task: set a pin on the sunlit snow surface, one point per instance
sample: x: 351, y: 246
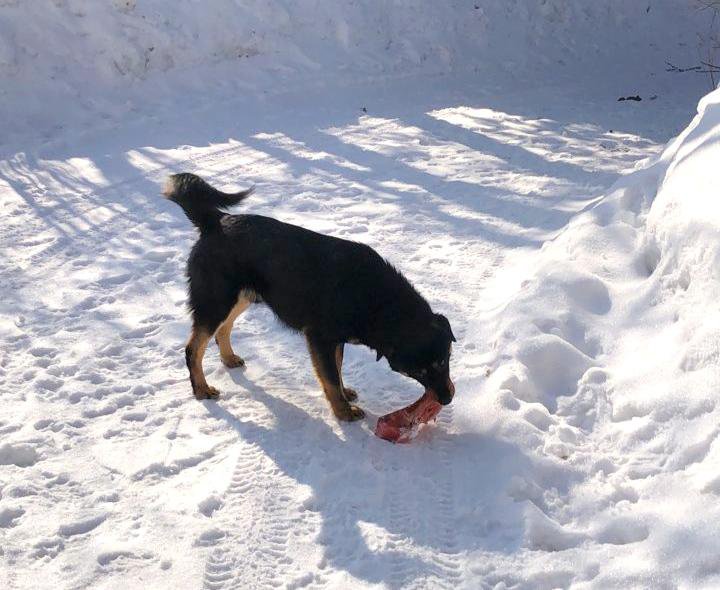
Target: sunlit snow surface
x: 580, y: 449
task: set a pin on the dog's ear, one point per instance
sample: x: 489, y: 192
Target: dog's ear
x: 444, y: 323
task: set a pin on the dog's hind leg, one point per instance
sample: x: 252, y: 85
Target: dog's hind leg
x: 212, y: 299
x: 350, y: 394
x: 324, y: 359
x: 222, y: 336
x: 194, y: 353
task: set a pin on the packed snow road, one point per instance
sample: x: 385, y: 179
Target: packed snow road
x: 115, y: 476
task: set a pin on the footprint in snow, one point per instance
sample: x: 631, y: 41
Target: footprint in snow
x: 10, y: 516
x: 139, y: 416
x: 160, y: 255
x: 209, y: 505
x: 49, y: 383
x: 44, y: 362
x: 50, y: 547
x: 106, y: 557
x: 43, y: 351
x: 141, y: 332
x: 21, y: 455
x: 210, y: 537
x: 80, y: 527
x: 115, y: 280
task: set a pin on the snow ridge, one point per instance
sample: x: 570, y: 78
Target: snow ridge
x: 599, y: 353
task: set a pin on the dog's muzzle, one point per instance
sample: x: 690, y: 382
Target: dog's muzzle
x: 444, y: 395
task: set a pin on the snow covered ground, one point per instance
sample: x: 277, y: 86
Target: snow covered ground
x: 581, y: 447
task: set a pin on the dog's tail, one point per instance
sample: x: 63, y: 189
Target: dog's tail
x: 202, y: 203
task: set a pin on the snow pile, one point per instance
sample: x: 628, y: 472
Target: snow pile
x: 71, y: 40
x: 606, y: 363
x: 82, y: 55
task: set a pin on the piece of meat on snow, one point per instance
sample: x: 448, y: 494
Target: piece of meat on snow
x: 400, y: 426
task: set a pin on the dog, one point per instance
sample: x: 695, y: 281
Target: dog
x: 332, y: 290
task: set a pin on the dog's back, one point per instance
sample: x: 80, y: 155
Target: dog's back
x: 333, y: 290
x: 312, y: 281
x: 340, y: 288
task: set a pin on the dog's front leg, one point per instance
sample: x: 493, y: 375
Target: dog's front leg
x: 350, y: 394
x: 323, y: 355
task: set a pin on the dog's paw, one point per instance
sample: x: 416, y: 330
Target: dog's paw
x: 356, y: 413
x: 350, y: 413
x: 233, y: 362
x: 350, y: 394
x: 206, y: 392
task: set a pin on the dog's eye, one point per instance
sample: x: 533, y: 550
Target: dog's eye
x: 422, y: 372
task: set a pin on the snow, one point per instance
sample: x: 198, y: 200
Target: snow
x: 107, y: 61
x: 627, y: 289
x: 481, y: 148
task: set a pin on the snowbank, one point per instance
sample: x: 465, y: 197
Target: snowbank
x: 80, y: 40
x: 606, y: 361
x: 83, y: 55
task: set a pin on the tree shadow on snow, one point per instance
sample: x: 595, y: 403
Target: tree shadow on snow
x: 359, y: 480
x: 394, y: 488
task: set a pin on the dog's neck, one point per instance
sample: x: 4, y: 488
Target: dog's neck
x: 397, y: 319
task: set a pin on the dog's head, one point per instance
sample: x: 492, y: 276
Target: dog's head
x: 426, y: 357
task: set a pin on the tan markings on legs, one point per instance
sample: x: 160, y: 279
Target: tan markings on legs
x: 324, y: 359
x: 349, y: 394
x: 194, y: 353
x: 222, y: 336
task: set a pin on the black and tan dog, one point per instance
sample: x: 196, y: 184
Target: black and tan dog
x: 332, y: 290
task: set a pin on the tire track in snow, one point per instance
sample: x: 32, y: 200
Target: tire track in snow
x: 401, y: 519
x: 254, y: 526
x: 218, y: 570
x: 423, y: 522
x: 446, y: 565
